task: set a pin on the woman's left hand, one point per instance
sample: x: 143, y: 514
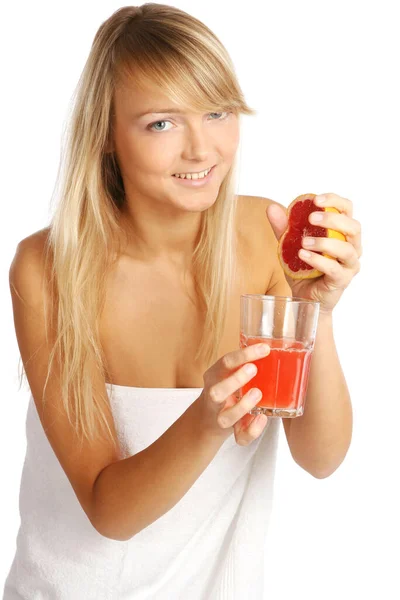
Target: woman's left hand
x: 339, y: 270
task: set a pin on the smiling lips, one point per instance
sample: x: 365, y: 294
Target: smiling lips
x: 199, y: 175
x: 192, y: 180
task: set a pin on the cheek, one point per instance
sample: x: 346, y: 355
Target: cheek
x: 230, y: 140
x: 135, y: 156
x: 125, y: 148
x: 229, y: 149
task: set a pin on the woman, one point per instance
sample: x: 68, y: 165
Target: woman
x: 126, y: 315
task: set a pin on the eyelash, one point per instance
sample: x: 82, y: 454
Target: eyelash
x: 168, y: 121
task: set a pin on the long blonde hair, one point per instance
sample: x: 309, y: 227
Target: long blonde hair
x: 159, y: 43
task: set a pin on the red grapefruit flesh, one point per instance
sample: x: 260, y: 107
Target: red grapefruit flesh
x: 298, y: 227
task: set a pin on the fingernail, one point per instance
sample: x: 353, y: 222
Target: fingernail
x: 319, y: 200
x: 304, y: 254
x: 316, y: 217
x: 262, y: 349
x: 255, y: 394
x: 250, y: 369
x: 308, y: 241
x: 261, y: 419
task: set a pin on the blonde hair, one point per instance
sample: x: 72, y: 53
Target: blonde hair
x: 153, y: 42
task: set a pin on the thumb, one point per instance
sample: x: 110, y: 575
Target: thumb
x: 278, y: 218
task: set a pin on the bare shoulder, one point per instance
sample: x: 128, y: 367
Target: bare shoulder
x: 35, y: 241
x: 252, y: 213
x: 26, y: 271
x: 32, y: 246
x: 255, y: 225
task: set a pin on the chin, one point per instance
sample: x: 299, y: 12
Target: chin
x: 197, y: 204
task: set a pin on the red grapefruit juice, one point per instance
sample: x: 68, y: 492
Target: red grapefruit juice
x: 282, y: 376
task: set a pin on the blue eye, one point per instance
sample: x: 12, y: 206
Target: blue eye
x: 152, y: 125
x: 220, y: 113
x: 156, y: 123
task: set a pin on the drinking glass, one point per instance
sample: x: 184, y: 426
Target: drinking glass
x: 288, y: 325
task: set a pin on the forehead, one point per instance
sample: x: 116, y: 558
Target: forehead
x: 134, y: 97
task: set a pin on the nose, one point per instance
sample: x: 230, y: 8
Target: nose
x: 197, y: 143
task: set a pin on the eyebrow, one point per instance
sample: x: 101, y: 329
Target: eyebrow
x: 158, y: 111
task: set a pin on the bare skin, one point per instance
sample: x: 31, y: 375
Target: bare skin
x: 152, y: 341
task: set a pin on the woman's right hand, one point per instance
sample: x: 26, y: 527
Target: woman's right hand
x: 220, y: 410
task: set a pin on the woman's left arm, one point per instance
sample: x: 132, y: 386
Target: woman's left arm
x: 320, y: 438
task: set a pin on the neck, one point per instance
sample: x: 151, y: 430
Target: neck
x: 160, y: 234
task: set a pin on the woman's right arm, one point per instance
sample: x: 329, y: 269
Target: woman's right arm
x: 122, y: 496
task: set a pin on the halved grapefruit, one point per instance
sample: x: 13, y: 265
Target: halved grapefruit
x: 298, y: 227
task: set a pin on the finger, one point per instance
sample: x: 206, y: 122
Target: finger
x: 220, y: 391
x: 235, y: 359
x: 243, y: 424
x: 334, y: 271
x: 343, y: 251
x: 337, y: 221
x: 344, y: 205
x: 351, y: 228
x: 229, y: 416
x: 247, y: 430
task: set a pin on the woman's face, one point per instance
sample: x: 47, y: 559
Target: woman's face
x: 152, y: 143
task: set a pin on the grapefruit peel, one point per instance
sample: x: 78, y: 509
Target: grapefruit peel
x: 298, y: 227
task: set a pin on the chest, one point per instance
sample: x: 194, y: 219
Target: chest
x: 152, y: 323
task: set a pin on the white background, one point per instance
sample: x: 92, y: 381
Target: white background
x: 323, y: 76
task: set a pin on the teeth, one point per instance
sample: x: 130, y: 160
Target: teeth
x: 193, y: 175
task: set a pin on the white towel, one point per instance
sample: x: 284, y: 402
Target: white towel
x: 209, y: 546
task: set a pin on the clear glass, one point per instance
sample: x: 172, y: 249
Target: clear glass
x: 289, y: 326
